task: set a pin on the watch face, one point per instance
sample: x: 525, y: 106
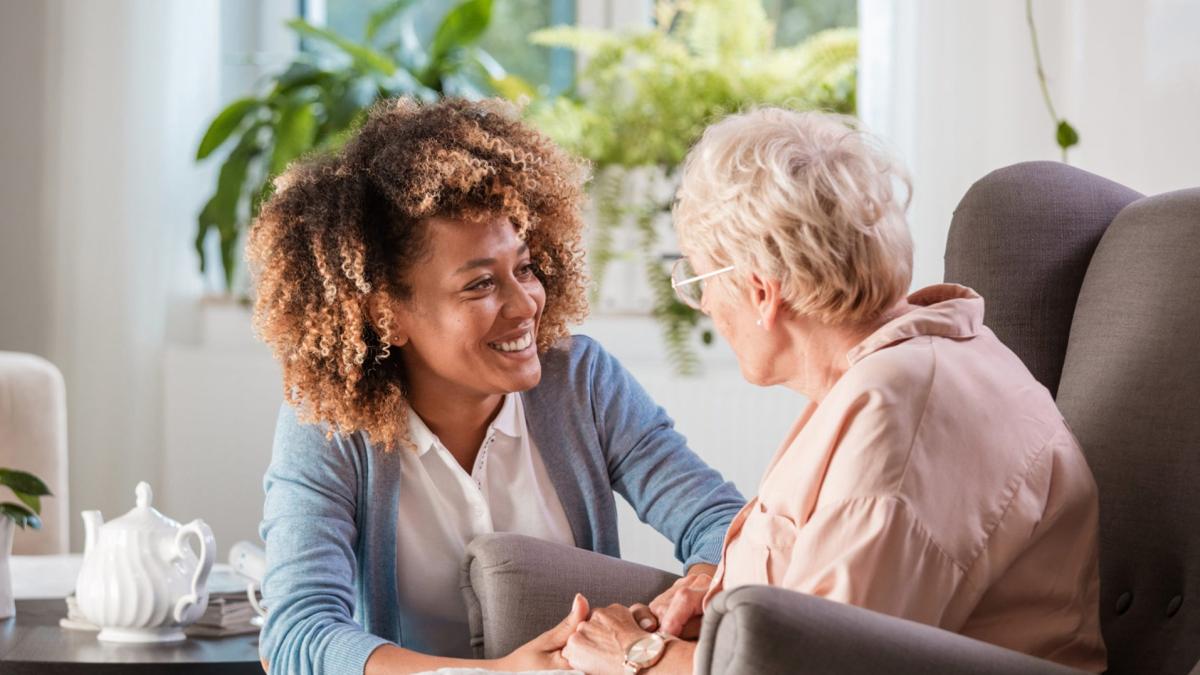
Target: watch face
x: 645, y: 652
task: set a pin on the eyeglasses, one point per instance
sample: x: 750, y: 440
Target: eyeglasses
x: 688, y: 285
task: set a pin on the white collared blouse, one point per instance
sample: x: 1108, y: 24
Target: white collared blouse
x: 442, y: 508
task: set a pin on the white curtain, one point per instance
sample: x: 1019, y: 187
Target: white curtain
x: 952, y: 86
x: 129, y: 85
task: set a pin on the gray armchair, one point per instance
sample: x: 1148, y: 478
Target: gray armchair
x: 1097, y: 289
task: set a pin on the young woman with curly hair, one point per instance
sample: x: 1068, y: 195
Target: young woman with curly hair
x: 417, y: 287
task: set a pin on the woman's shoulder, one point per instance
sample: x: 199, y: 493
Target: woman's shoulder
x: 300, y: 441
x: 574, y: 348
x: 580, y: 377
x: 887, y: 391
x: 904, y: 366
x: 291, y: 425
x: 571, y: 361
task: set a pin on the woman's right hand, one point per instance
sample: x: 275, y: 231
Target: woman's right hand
x: 544, y: 652
x: 678, y: 609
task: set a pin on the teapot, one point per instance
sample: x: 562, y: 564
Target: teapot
x: 140, y: 580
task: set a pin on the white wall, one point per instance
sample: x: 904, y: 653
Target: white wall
x: 1133, y: 84
x: 951, y: 85
x: 25, y: 244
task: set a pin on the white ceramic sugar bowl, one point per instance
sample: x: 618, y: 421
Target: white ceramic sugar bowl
x: 140, y: 580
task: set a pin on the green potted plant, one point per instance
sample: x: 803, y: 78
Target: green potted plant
x: 645, y: 96
x: 312, y: 104
x: 29, y: 490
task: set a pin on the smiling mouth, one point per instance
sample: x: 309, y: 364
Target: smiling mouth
x: 520, y: 344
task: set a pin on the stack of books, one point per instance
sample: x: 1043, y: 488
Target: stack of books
x: 228, y: 613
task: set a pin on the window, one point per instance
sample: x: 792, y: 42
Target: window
x: 551, y: 71
x: 797, y: 19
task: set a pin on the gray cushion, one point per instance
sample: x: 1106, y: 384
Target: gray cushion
x: 759, y: 630
x: 1022, y: 237
x: 517, y: 587
x: 1131, y: 391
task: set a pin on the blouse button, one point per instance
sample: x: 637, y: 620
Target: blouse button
x: 1124, y: 602
x: 1174, y: 605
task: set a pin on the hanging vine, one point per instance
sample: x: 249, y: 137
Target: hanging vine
x: 1064, y: 134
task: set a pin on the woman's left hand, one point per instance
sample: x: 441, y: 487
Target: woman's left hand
x: 678, y: 609
x: 599, y: 644
x: 544, y: 652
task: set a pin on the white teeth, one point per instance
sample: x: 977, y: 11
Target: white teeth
x: 514, y: 345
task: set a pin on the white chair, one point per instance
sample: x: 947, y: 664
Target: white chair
x: 33, y: 438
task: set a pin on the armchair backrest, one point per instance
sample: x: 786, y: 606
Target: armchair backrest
x: 1131, y: 391
x: 1022, y: 237
x: 1098, y: 291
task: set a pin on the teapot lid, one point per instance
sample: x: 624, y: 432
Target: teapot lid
x: 143, y: 516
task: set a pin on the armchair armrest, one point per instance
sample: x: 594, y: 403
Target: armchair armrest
x: 516, y: 587
x: 759, y: 629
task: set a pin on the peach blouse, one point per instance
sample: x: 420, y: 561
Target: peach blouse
x: 937, y: 482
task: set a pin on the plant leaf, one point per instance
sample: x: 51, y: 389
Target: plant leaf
x: 488, y: 64
x: 462, y: 27
x: 32, y: 501
x: 513, y: 88
x: 294, y: 134
x: 506, y: 84
x: 583, y: 40
x: 21, y: 481
x: 229, y: 185
x: 225, y: 123
x: 357, y: 95
x: 204, y: 222
x: 20, y: 515
x: 259, y: 197
x: 298, y: 74
x: 229, y: 240
x: 364, y: 57
x: 380, y: 17
x: 221, y: 211
x: 458, y: 84
x: 404, y: 82
x: 1066, y: 135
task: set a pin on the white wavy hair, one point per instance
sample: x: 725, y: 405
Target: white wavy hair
x: 805, y: 198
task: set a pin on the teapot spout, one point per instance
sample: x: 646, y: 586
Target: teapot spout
x: 92, y: 520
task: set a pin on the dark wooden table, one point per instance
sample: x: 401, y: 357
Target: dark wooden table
x: 33, y: 643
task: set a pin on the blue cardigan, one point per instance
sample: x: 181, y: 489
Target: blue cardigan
x: 329, y: 521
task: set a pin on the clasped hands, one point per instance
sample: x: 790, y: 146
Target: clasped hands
x: 595, y: 641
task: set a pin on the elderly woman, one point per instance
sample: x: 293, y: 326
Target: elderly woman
x: 416, y: 287
x: 930, y: 477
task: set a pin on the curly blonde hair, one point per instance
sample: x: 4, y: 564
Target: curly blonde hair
x: 340, y: 229
x: 806, y: 198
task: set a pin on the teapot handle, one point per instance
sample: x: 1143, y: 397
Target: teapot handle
x: 208, y: 555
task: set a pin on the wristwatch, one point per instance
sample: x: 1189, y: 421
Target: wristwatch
x: 645, y: 652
